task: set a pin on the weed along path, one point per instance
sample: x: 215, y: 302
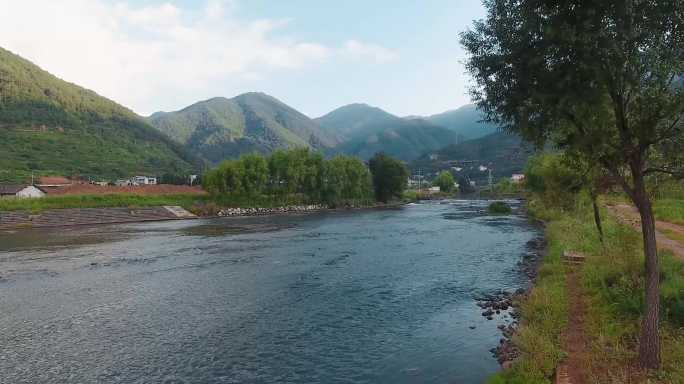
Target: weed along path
x: 573, y: 369
x: 628, y: 215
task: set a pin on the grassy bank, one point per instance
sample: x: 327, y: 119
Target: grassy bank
x: 671, y: 210
x: 200, y: 204
x: 99, y: 201
x: 612, y: 283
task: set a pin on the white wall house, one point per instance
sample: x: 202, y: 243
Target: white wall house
x: 517, y: 178
x: 144, y: 180
x: 20, y: 191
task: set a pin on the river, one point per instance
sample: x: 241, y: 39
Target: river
x: 374, y: 296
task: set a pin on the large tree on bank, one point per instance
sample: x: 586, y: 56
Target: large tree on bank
x: 598, y: 77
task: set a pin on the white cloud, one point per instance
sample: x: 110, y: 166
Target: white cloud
x: 359, y: 50
x: 143, y: 56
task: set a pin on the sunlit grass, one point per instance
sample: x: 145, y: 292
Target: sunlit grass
x: 613, y: 283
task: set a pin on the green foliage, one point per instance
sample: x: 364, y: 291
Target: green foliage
x: 671, y: 210
x: 298, y: 172
x: 389, y: 177
x: 612, y: 280
x: 554, y: 179
x: 499, y: 208
x: 49, y: 126
x: 598, y: 78
x: 445, y: 181
x: 507, y: 187
x: 543, y: 314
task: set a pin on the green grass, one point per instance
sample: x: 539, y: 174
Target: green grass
x: 100, y: 201
x: 199, y: 204
x: 612, y: 281
x: 544, y: 316
x: 671, y: 210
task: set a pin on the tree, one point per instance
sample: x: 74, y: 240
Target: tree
x: 596, y: 77
x: 445, y: 181
x: 254, y: 174
x: 559, y: 177
x: 389, y: 177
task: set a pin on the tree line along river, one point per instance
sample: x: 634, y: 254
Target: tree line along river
x: 371, y: 296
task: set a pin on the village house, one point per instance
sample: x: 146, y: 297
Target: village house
x: 517, y: 178
x: 136, y: 181
x: 144, y: 180
x: 53, y: 182
x: 20, y: 191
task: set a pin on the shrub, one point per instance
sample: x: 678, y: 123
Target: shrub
x: 499, y: 208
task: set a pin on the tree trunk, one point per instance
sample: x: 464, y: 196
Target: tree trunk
x: 597, y: 216
x: 649, y: 342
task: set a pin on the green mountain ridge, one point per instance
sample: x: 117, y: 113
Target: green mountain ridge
x: 465, y: 121
x: 366, y: 130
x: 50, y: 126
x: 221, y: 128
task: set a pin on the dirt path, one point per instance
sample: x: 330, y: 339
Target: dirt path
x: 628, y: 215
x: 573, y: 370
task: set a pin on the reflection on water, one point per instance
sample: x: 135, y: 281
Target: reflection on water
x: 377, y: 296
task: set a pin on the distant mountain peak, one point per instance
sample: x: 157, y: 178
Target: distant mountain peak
x: 221, y: 128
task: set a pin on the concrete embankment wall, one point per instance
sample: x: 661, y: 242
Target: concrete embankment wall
x: 88, y: 216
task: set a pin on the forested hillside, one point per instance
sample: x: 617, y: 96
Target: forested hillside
x: 50, y: 126
x: 366, y: 130
x: 221, y: 128
x: 465, y: 121
x: 504, y: 153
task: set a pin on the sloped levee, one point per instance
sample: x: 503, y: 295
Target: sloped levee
x: 89, y: 216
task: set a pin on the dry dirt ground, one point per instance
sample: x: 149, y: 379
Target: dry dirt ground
x: 573, y: 370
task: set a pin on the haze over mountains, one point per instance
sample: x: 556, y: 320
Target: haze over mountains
x: 49, y: 126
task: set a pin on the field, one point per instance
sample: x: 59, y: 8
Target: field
x: 671, y: 210
x: 102, y: 200
x: 145, y: 190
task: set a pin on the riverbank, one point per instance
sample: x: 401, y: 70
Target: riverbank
x: 610, y: 283
x: 123, y: 208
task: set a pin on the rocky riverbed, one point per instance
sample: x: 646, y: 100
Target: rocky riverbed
x: 504, y: 303
x: 269, y: 211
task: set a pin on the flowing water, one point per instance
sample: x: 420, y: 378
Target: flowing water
x: 375, y: 296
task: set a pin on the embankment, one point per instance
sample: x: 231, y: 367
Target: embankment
x: 10, y: 220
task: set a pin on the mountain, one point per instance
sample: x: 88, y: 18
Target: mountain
x: 221, y: 128
x: 504, y: 153
x: 352, y: 119
x: 50, y: 126
x: 365, y: 130
x: 465, y: 121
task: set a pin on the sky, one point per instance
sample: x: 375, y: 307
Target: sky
x: 315, y: 55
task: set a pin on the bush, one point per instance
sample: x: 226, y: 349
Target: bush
x: 499, y: 208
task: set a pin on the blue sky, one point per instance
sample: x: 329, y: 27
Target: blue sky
x: 402, y: 56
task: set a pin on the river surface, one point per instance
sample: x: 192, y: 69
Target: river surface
x: 375, y: 296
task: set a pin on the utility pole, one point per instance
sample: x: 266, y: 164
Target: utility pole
x: 420, y: 179
x: 490, y: 180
